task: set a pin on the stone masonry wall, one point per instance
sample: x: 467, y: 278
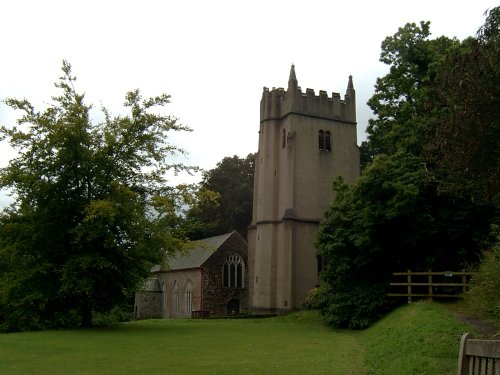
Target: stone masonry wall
x: 147, y: 305
x: 216, y: 296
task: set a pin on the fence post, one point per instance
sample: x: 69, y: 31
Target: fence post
x: 429, y: 280
x: 408, y: 280
x: 464, y: 281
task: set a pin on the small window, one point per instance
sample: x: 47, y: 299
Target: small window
x: 324, y: 140
x: 328, y: 144
x: 189, y: 298
x: 321, y: 140
x: 164, y: 300
x: 283, y: 139
x: 175, y: 300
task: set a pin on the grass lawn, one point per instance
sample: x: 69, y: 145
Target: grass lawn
x: 296, y: 344
x: 418, y: 339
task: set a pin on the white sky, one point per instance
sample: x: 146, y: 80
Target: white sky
x: 213, y: 57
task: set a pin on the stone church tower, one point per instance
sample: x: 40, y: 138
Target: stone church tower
x: 305, y: 142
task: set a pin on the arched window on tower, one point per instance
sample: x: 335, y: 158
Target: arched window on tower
x: 324, y: 140
x: 283, y: 139
x: 233, y: 272
x: 321, y: 140
x: 328, y: 143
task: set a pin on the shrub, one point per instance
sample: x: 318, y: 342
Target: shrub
x: 355, y: 306
x: 311, y: 301
x: 483, y: 295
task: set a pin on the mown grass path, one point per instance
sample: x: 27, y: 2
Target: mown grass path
x: 296, y: 344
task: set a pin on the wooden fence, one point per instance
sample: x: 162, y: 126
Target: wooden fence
x: 429, y: 284
x: 478, y: 357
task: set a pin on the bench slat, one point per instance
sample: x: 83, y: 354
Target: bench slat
x: 483, y: 348
x: 478, y: 357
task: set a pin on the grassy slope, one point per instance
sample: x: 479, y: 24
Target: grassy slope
x: 422, y: 338
x: 296, y: 344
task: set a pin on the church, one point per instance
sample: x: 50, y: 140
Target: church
x: 306, y: 141
x: 211, y: 279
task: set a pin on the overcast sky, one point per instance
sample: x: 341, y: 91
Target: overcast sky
x: 213, y: 57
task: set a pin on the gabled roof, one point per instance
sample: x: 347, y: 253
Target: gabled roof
x: 199, y: 254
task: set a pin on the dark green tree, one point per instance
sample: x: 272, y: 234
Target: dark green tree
x: 463, y: 143
x: 232, y: 182
x: 396, y: 216
x: 391, y: 220
x: 398, y: 102
x: 92, y: 209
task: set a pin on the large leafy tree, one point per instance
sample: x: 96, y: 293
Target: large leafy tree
x: 391, y: 220
x: 225, y: 198
x: 92, y: 209
x: 398, y: 101
x: 463, y: 141
x: 397, y: 216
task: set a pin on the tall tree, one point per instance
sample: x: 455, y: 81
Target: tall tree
x: 93, y: 211
x: 464, y: 133
x: 232, y: 182
x: 398, y: 101
x: 396, y: 216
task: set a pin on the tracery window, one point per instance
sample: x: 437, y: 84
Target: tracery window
x: 233, y: 272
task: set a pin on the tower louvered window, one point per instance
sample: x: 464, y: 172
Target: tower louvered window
x: 328, y: 144
x: 233, y: 272
x: 324, y: 140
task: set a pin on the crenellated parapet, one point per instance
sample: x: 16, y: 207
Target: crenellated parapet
x: 279, y: 103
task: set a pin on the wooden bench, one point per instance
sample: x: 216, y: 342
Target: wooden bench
x: 478, y: 357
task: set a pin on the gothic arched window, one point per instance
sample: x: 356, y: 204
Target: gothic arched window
x: 324, y: 140
x: 328, y: 143
x: 321, y: 140
x: 233, y: 272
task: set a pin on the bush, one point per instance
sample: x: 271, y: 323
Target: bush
x: 312, y: 301
x: 354, y: 307
x: 117, y: 314
x: 483, y: 296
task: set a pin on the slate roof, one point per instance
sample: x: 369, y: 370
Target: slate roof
x: 199, y: 254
